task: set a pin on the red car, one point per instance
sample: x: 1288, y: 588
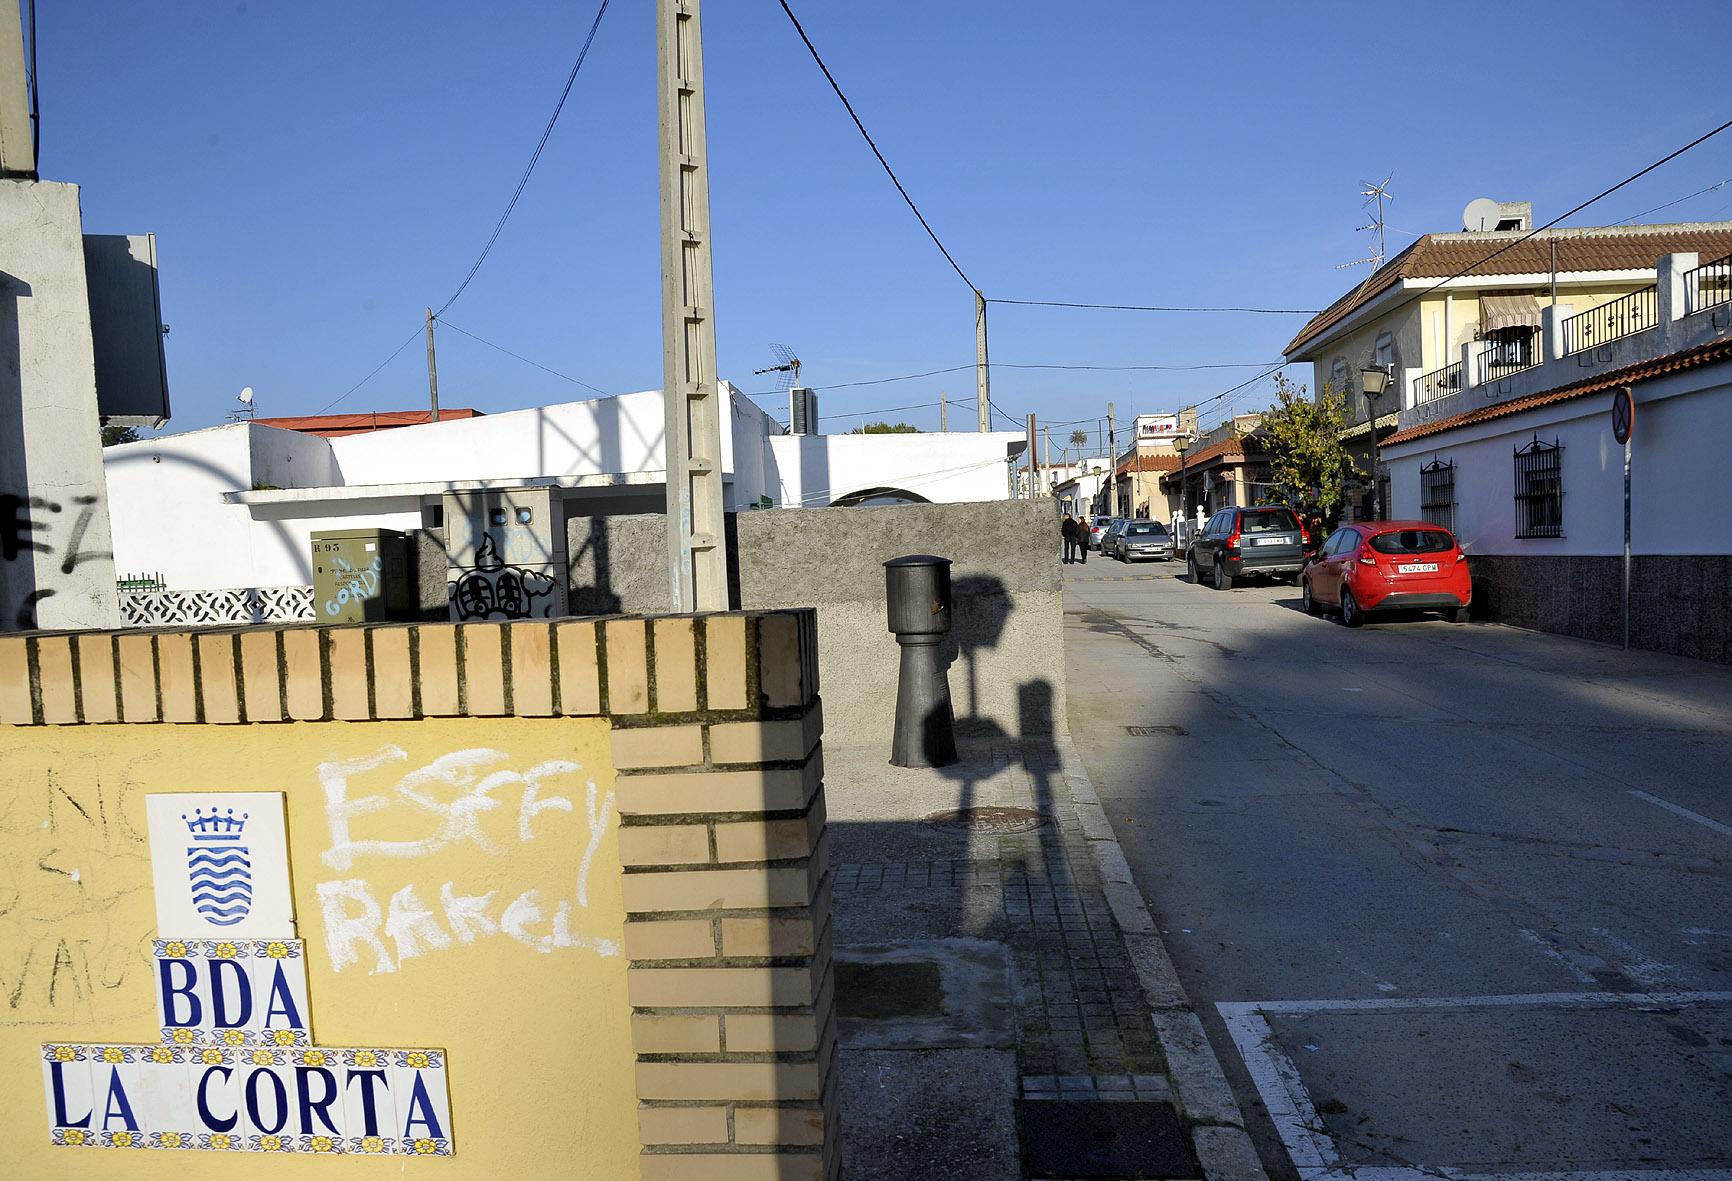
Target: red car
x: 1388, y: 566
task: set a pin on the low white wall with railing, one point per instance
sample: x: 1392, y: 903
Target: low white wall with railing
x: 1692, y: 305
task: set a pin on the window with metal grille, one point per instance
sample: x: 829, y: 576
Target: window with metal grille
x: 1437, y: 493
x: 1539, y: 489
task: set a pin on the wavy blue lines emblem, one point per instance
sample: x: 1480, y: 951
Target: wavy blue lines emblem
x: 219, y: 867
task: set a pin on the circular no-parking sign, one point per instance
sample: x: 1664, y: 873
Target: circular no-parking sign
x: 1623, y: 415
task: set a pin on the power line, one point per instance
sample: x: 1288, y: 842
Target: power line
x: 1670, y: 156
x: 1679, y: 201
x: 1025, y: 365
x: 410, y: 339
x: 1132, y: 307
x: 534, y: 158
x: 537, y: 364
x: 888, y: 171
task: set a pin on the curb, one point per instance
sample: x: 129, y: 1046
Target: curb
x: 1205, y: 1099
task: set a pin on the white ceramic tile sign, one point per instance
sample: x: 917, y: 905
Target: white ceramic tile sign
x: 220, y: 864
x: 236, y: 1069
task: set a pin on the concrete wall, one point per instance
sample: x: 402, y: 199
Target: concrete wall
x: 56, y: 569
x: 1007, y: 651
x: 583, y: 863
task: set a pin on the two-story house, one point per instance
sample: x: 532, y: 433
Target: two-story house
x: 1470, y: 304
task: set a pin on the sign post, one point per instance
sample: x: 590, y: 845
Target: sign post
x: 1623, y: 430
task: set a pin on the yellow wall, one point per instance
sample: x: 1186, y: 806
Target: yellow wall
x: 538, y: 1035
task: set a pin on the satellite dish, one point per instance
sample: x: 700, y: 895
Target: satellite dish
x: 1482, y: 213
x: 246, y: 396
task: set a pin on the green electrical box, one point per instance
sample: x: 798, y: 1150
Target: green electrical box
x: 361, y: 576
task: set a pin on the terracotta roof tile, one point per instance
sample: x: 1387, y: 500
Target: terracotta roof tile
x: 1720, y: 350
x: 1437, y: 256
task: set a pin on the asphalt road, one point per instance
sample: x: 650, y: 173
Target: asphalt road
x: 1451, y: 899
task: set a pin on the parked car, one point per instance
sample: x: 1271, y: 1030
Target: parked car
x: 1377, y: 566
x: 1109, y: 539
x: 1140, y: 540
x: 1098, y: 529
x: 1267, y: 541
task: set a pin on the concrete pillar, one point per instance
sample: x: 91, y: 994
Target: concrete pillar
x: 56, y: 555
x: 1671, y: 301
x: 1552, y: 318
x: 1470, y: 351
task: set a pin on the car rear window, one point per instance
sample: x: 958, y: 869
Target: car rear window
x: 1268, y: 520
x: 1142, y: 527
x: 1413, y: 541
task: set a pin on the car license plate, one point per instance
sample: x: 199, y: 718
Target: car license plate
x: 1418, y: 568
x: 1268, y: 541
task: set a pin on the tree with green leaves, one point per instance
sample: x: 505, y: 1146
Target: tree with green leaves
x: 885, y: 428
x: 1308, y: 460
x: 119, y: 434
x: 1079, y: 440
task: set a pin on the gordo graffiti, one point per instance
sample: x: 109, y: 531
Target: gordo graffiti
x: 356, y: 585
x: 466, y: 800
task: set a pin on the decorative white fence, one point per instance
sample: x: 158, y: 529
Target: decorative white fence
x: 262, y: 604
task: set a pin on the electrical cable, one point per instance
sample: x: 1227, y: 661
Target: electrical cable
x: 1670, y: 156
x: 499, y: 226
x: 536, y: 364
x: 534, y: 158
x: 888, y: 171
x: 1679, y: 201
x: 406, y: 343
x: 1131, y: 307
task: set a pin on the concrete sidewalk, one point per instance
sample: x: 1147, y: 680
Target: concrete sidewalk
x: 992, y: 952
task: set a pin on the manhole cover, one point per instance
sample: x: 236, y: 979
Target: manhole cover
x: 1085, y: 1138
x: 1151, y: 731
x: 886, y: 991
x: 989, y: 819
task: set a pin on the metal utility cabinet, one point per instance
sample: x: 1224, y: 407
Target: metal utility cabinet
x: 361, y: 575
x: 507, y: 554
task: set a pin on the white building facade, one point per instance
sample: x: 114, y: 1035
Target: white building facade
x: 233, y: 508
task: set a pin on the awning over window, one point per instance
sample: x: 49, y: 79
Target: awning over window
x: 1508, y: 311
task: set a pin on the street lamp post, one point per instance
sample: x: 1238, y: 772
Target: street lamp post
x: 1376, y: 380
x: 1181, y: 444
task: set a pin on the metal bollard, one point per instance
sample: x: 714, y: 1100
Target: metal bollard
x: 917, y: 596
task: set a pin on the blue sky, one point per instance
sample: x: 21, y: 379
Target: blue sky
x: 317, y: 173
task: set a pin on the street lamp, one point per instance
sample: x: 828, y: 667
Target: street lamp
x: 1181, y: 444
x: 1376, y: 381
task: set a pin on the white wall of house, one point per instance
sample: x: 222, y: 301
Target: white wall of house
x: 811, y: 471
x: 1678, y: 502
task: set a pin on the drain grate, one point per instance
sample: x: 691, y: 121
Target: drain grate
x: 1151, y: 731
x: 988, y: 819
x: 1079, y: 1138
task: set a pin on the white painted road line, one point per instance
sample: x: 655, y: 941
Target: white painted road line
x: 1306, y: 1137
x: 1680, y: 810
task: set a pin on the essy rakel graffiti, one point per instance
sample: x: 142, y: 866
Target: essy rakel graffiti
x: 236, y: 1068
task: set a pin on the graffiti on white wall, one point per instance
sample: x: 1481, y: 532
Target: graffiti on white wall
x: 32, y: 525
x: 443, y: 805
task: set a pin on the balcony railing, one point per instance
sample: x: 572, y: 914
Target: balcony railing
x: 1624, y: 316
x: 1504, y: 357
x: 1709, y: 285
x: 1437, y: 383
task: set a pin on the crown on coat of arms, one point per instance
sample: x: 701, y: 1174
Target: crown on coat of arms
x: 205, y: 826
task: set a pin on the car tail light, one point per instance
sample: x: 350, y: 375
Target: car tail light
x: 1233, y: 537
x: 1304, y: 534
x: 1367, y: 558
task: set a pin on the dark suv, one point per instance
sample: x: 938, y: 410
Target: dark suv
x: 1268, y: 540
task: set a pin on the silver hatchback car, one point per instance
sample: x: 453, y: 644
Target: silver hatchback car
x: 1138, y: 541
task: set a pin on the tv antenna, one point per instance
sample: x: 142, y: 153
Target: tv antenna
x: 245, y: 398
x: 1375, y: 195
x: 788, y: 365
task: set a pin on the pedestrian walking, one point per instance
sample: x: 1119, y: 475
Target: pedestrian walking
x: 1069, y: 530
x: 1082, y: 539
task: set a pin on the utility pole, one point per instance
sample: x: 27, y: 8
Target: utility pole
x: 17, y: 99
x: 1033, y: 462
x: 1112, y: 461
x: 432, y: 369
x: 982, y: 371
x: 692, y: 440
x: 943, y: 413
